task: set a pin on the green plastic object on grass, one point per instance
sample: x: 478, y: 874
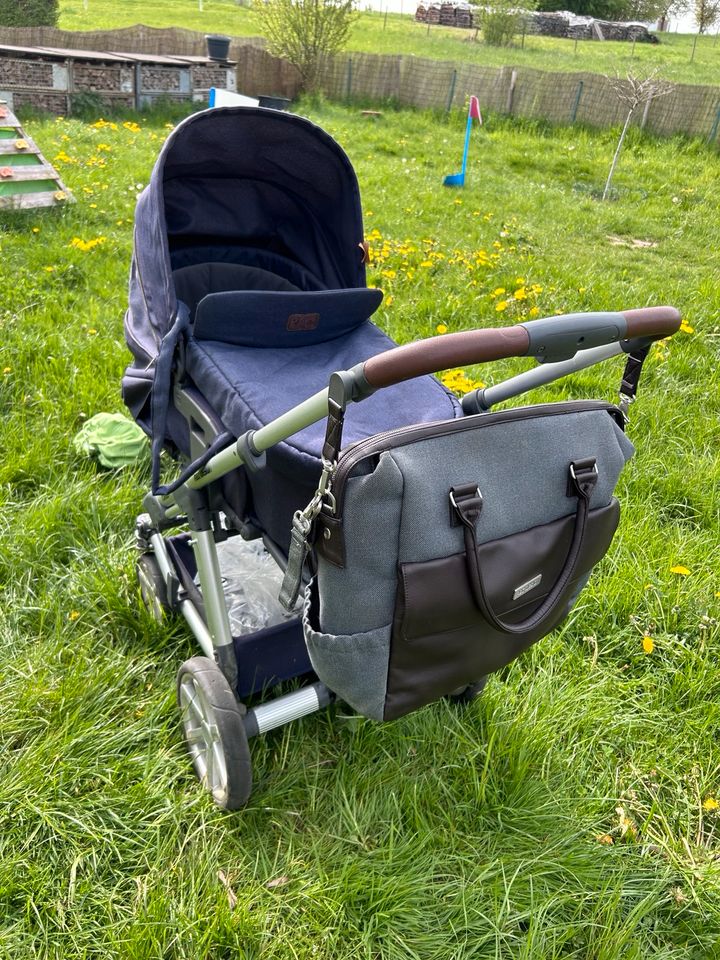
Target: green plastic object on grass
x: 114, y: 439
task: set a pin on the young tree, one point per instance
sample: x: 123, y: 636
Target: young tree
x: 307, y: 32
x: 707, y: 13
x: 28, y: 13
x: 633, y: 92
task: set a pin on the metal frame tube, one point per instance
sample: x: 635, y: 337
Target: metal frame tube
x: 301, y: 416
x: 545, y: 373
x: 197, y: 625
x: 206, y: 558
x: 283, y: 710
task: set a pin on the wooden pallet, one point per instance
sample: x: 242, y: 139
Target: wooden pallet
x: 27, y: 180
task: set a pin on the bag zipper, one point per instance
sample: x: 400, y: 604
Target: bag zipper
x: 402, y: 436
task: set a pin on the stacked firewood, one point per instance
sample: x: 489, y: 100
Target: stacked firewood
x: 446, y: 14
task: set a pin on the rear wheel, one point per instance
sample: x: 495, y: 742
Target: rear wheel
x: 152, y: 587
x: 214, y: 731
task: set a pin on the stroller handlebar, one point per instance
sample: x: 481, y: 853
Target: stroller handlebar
x: 547, y: 339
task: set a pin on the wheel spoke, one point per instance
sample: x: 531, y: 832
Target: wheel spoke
x: 194, y: 735
x: 219, y: 775
x: 209, y: 757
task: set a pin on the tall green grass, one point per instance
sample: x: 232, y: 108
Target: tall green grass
x: 571, y: 811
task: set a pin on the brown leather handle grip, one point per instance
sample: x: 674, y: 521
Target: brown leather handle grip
x: 652, y: 322
x: 439, y: 353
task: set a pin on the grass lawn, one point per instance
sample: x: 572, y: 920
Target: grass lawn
x: 572, y: 811
x: 374, y: 33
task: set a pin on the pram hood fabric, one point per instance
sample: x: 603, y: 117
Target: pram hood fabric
x: 269, y: 187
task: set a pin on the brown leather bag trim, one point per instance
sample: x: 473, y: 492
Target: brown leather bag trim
x: 440, y: 640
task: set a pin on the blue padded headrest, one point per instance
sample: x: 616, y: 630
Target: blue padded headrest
x: 271, y: 318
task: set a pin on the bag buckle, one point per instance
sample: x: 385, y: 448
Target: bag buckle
x: 466, y: 502
x: 583, y: 475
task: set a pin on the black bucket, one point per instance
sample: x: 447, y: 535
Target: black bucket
x: 218, y: 46
x: 275, y: 103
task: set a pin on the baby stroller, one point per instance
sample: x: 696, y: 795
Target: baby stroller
x: 249, y: 325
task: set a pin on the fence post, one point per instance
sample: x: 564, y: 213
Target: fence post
x: 348, y: 79
x: 511, y: 92
x: 646, y: 111
x: 573, y: 112
x: 716, y: 124
x: 451, y: 92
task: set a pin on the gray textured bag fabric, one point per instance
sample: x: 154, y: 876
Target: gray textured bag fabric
x: 390, y: 622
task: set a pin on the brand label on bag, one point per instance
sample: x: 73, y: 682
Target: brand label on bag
x: 527, y: 587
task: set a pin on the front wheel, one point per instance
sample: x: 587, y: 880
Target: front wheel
x: 214, y: 731
x: 469, y: 693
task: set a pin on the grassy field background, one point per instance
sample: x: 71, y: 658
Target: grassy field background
x: 572, y: 811
x: 374, y: 33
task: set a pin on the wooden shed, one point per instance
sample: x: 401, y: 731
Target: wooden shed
x: 48, y: 78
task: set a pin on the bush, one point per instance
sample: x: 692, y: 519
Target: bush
x: 500, y: 25
x: 28, y: 13
x: 307, y: 32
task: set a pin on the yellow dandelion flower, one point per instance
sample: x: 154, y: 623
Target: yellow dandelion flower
x: 92, y: 331
x: 390, y: 274
x: 441, y: 328
x: 520, y: 294
x: 647, y: 644
x: 498, y: 292
x: 680, y: 570
x: 426, y: 263
x: 501, y: 305
x: 7, y: 370
x: 534, y: 312
x: 711, y: 804
x: 73, y: 615
x: 686, y: 328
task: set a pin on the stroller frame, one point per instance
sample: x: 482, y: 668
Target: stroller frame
x: 217, y: 726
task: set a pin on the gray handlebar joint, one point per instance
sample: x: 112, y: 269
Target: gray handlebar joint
x: 559, y: 338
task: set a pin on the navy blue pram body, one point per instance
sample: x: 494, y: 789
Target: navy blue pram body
x: 247, y: 290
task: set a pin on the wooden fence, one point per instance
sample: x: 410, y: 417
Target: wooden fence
x: 413, y: 81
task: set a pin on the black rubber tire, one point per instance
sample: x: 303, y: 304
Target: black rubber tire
x: 227, y: 717
x: 471, y: 692
x: 152, y: 587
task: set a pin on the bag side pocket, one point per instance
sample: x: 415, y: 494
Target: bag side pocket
x: 354, y: 666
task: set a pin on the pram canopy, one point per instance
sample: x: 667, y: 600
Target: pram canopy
x: 273, y: 191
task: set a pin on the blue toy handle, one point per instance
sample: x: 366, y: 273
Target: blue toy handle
x: 466, y: 148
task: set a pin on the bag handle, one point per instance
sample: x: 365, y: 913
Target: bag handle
x: 466, y: 503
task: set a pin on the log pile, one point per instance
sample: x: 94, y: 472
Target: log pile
x: 573, y: 27
x: 446, y: 14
